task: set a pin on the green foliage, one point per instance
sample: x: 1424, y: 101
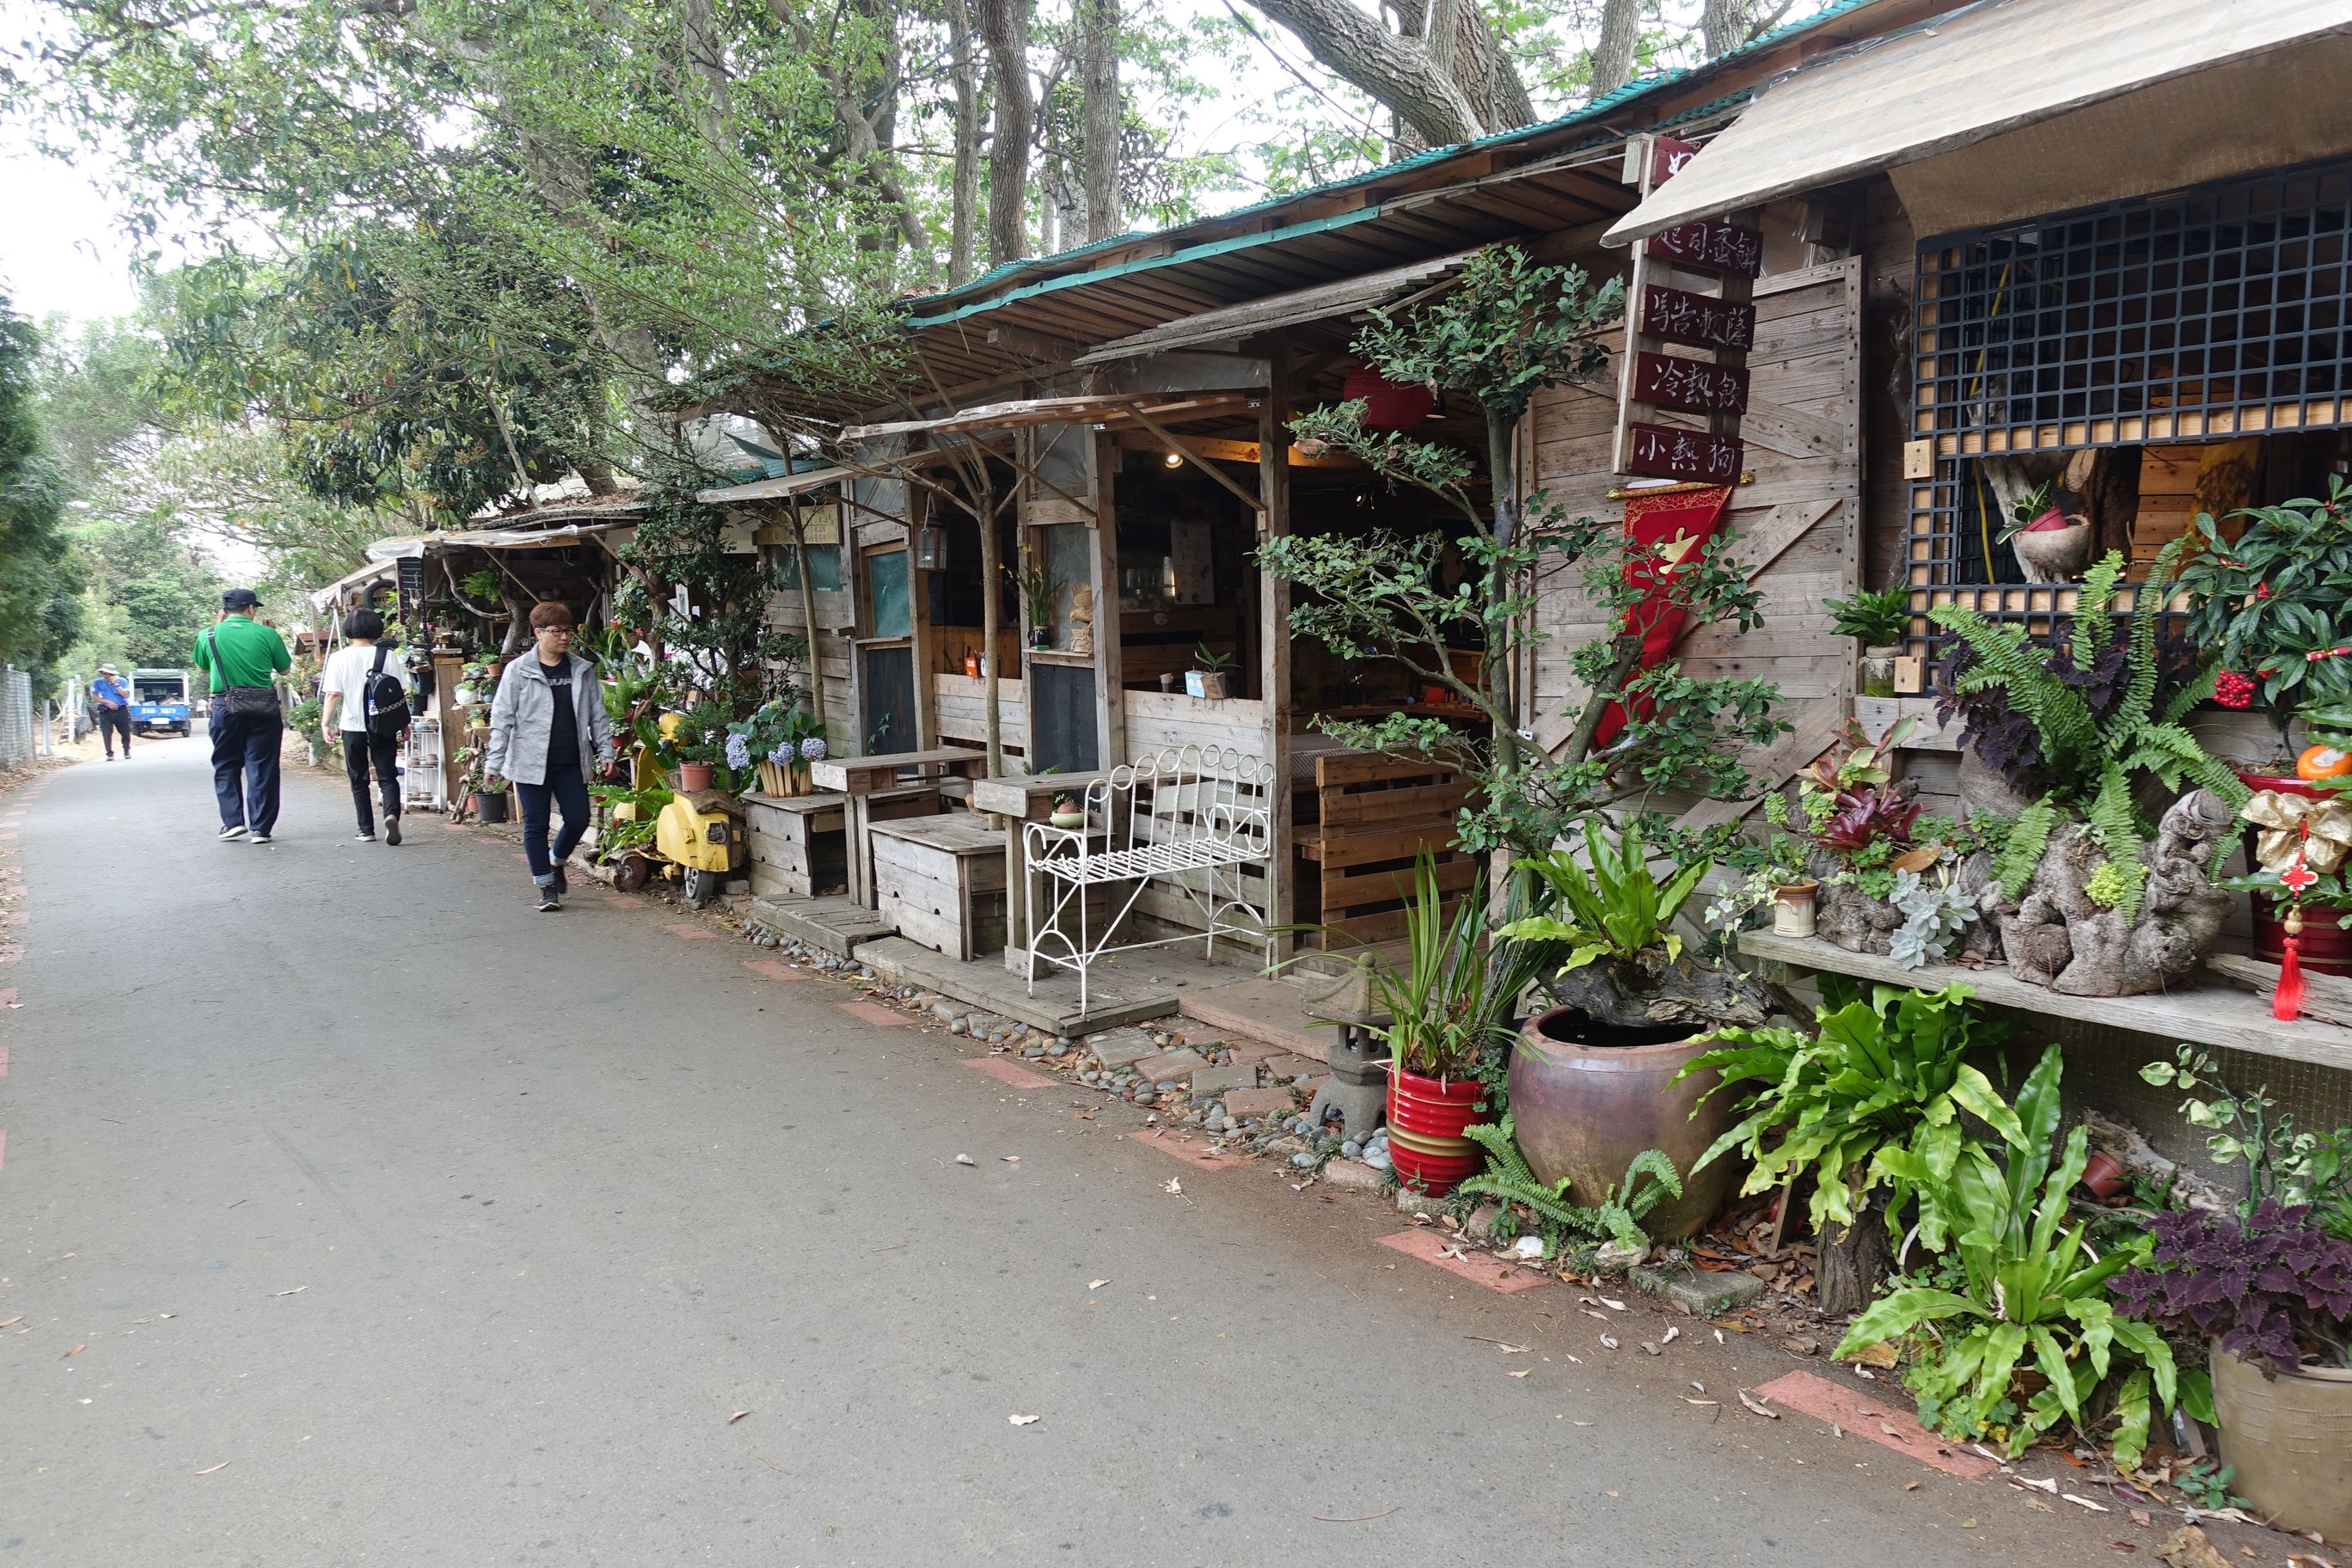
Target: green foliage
x: 2026, y: 511
x: 726, y: 644
x: 1874, y: 618
x: 1616, y: 1217
x: 2280, y: 592
x: 2028, y: 838
x: 2094, y: 708
x: 2027, y: 1292
x: 1617, y: 910
x: 2109, y: 886
x: 618, y: 833
x: 2281, y: 1163
x: 40, y: 581
x: 1883, y: 1074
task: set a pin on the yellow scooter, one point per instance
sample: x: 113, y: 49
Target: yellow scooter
x: 699, y: 836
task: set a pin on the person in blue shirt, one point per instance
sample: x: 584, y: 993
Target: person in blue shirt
x: 110, y: 699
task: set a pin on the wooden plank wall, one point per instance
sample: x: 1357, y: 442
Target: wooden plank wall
x: 1797, y: 527
x: 1157, y: 719
x: 1890, y: 254
x: 964, y: 711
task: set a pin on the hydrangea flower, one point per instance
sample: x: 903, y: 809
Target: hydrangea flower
x: 813, y: 748
x: 739, y: 752
x: 781, y: 756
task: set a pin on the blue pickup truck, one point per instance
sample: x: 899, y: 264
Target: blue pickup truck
x: 159, y: 702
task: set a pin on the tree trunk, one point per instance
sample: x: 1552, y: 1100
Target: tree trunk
x: 1612, y: 56
x: 808, y: 618
x: 963, y: 222
x: 1397, y: 72
x: 1723, y: 25
x: 1098, y: 22
x: 705, y: 47
x: 991, y: 596
x: 1004, y: 24
x: 1480, y: 68
x: 1849, y: 1263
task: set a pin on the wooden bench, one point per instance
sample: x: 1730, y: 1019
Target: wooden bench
x: 941, y: 880
x: 863, y: 779
x: 1376, y: 814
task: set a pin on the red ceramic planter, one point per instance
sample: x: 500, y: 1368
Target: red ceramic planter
x: 2324, y: 948
x: 1426, y: 1116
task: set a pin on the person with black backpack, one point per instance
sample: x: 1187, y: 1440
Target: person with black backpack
x: 368, y: 685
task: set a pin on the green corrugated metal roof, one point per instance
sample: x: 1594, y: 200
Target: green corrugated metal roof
x: 934, y: 309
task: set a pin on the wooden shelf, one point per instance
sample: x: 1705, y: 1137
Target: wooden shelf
x: 2215, y: 1014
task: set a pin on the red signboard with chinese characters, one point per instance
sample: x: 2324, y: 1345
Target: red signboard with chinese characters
x: 1697, y: 321
x: 1717, y: 245
x: 1701, y: 385
x: 1667, y: 156
x: 1662, y: 452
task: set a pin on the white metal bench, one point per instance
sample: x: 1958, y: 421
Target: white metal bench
x: 1193, y: 818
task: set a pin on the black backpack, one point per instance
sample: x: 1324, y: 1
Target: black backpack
x: 383, y: 701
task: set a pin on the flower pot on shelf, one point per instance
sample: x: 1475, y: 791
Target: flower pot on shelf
x: 1587, y: 1097
x: 1878, y: 671
x: 693, y: 777
x: 1426, y: 1116
x: 488, y: 808
x: 2104, y: 1176
x: 1793, y: 908
x: 2289, y: 1439
x: 2324, y: 947
x: 1207, y: 685
x: 2053, y: 548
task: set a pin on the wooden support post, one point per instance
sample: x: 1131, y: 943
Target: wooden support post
x: 1111, y: 698
x: 1274, y: 633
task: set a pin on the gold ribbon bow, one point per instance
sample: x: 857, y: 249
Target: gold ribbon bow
x: 2280, y: 818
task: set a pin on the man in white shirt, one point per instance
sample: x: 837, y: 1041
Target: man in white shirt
x: 370, y: 733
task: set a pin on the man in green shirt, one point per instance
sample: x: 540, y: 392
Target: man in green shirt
x: 243, y: 656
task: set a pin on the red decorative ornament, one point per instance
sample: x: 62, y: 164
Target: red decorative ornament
x: 2231, y: 689
x: 2287, y: 1002
x: 1388, y: 404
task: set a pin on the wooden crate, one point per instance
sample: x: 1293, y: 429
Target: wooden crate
x: 1376, y: 814
x: 799, y: 845
x: 941, y: 880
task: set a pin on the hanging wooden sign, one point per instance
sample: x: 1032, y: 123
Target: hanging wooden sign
x: 1702, y: 387
x: 1716, y: 245
x: 1667, y: 156
x: 1697, y: 321
x: 1662, y: 452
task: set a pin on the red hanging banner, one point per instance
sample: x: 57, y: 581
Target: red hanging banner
x: 1665, y: 535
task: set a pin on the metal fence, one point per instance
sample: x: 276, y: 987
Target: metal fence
x: 16, y: 717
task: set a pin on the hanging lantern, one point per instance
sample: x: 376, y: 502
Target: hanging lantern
x: 930, y: 549
x: 1388, y: 404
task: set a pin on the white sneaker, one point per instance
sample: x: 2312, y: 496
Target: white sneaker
x: 362, y: 838
x: 259, y: 839
x: 228, y: 835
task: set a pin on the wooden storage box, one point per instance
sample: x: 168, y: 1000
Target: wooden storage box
x: 799, y: 845
x: 941, y: 880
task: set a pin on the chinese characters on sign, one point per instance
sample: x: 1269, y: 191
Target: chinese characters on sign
x: 1697, y: 321
x: 1668, y: 453
x: 1701, y: 385
x: 1717, y: 245
x: 1667, y: 156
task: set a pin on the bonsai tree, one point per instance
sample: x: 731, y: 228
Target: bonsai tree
x: 1507, y: 330
x: 2093, y: 899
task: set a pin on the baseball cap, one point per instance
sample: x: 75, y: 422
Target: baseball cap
x: 240, y: 599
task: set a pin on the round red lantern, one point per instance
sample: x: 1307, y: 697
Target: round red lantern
x: 1388, y: 404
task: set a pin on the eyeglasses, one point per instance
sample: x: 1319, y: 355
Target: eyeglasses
x: 556, y: 631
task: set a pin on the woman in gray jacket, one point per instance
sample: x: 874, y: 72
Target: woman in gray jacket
x: 548, y: 734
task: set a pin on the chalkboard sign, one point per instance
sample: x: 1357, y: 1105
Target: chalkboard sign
x: 1062, y: 717
x: 1698, y: 320
x: 1672, y: 381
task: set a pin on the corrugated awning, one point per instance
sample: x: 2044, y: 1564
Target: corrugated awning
x: 776, y: 489
x: 416, y: 546
x: 1345, y: 297
x: 2008, y: 108
x: 1109, y: 410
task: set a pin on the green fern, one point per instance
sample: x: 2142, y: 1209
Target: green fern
x: 2115, y: 824
x: 2091, y: 625
x: 1509, y: 1177
x: 2028, y: 838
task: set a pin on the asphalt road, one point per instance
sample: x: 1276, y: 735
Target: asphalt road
x: 397, y: 1223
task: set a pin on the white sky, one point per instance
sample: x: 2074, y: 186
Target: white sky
x: 60, y: 250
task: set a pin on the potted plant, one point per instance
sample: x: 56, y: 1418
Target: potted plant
x: 1449, y: 1008
x: 2270, y: 1295
x: 487, y: 795
x: 700, y: 746
x: 2270, y: 606
x: 2050, y: 545
x: 2089, y: 901
x: 1206, y: 679
x: 771, y: 740
x: 1789, y: 877
x: 1592, y: 1080
x: 1882, y: 1069
x: 1066, y: 812
x: 1877, y: 621
x: 1039, y: 592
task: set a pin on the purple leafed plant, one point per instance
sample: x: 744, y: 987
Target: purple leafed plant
x: 1861, y: 818
x: 2270, y: 1291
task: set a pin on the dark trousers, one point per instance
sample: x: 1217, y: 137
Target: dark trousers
x: 362, y: 747
x: 566, y: 788
x: 113, y: 722
x: 245, y: 766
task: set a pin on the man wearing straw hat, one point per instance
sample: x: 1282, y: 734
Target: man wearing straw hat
x: 111, y: 702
